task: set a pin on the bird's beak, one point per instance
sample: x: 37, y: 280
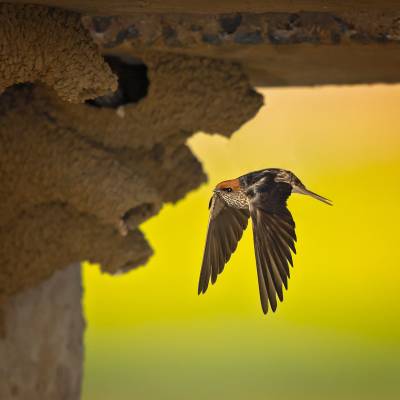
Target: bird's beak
x: 304, y: 190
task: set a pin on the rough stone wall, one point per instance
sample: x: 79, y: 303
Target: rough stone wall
x: 41, y: 357
x: 51, y: 46
x: 74, y: 177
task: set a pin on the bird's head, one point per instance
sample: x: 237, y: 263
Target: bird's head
x: 230, y: 191
x: 227, y: 186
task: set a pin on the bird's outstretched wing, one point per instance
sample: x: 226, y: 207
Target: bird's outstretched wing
x: 225, y: 228
x: 274, y: 237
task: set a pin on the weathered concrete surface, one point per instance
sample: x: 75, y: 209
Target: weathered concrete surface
x: 71, y: 173
x: 278, y: 43
x: 41, y: 354
x: 183, y: 31
x: 51, y: 46
x: 274, y: 48
x: 129, y: 7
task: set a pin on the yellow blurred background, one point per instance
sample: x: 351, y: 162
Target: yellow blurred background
x: 337, y: 333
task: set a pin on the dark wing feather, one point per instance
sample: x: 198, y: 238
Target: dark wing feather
x: 225, y: 228
x: 274, y: 238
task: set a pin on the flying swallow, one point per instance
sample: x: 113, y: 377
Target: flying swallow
x: 261, y: 195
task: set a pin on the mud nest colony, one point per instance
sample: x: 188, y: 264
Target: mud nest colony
x: 87, y: 142
x: 92, y: 145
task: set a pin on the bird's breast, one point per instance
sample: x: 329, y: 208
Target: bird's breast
x: 241, y: 200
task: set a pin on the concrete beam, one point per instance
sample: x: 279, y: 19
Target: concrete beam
x: 41, y: 353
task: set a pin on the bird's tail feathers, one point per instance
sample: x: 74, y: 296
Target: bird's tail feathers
x: 304, y: 190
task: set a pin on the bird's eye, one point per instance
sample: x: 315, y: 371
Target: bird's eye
x: 227, y: 190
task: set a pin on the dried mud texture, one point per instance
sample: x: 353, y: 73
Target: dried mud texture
x: 71, y: 172
x: 41, y: 355
x: 51, y: 46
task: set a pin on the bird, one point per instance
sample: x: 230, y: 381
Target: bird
x: 262, y: 196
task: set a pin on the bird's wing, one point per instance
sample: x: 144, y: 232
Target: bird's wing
x: 225, y: 228
x: 274, y: 236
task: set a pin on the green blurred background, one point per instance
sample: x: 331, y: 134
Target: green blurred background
x: 337, y: 333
